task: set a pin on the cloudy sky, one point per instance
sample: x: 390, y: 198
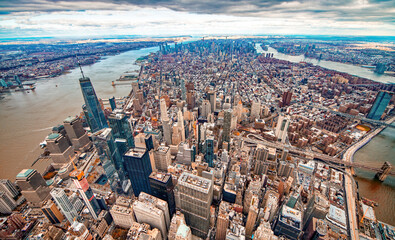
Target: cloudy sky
x: 57, y: 18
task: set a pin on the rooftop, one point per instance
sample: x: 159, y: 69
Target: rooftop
x: 136, y: 152
x: 53, y: 136
x: 188, y: 179
x: 69, y: 119
x: 24, y: 173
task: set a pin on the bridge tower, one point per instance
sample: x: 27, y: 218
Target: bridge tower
x: 383, y: 173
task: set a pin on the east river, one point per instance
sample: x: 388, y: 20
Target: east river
x: 27, y: 118
x: 380, y: 149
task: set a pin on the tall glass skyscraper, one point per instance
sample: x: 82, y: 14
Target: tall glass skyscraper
x: 379, y: 105
x: 138, y: 167
x: 93, y: 111
x: 121, y: 127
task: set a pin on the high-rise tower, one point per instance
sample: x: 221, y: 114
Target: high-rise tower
x: 86, y: 192
x: 64, y: 204
x: 95, y: 115
x: 33, y: 186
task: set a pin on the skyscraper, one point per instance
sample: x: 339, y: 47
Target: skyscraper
x: 121, y: 127
x: 379, y: 105
x: 162, y: 187
x: 76, y: 133
x: 162, y: 158
x: 154, y: 211
x: 138, y: 167
x: 95, y: 115
x: 195, y: 196
x: 33, y: 186
x: 7, y: 204
x: 52, y: 212
x: 9, y: 188
x: 252, y: 215
x: 289, y: 223
x: 86, y: 192
x: 64, y: 204
x: 282, y: 128
x: 261, y: 165
x: 209, y: 151
x: 227, y: 123
x: 108, y: 150
x: 212, y: 97
x: 61, y: 150
x: 255, y: 110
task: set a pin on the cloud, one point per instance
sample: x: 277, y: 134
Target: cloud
x: 360, y: 17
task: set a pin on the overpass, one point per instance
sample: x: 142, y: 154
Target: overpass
x: 372, y: 121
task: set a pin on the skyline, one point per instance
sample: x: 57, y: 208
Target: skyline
x: 46, y: 18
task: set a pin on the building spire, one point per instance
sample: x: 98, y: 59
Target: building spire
x: 79, y: 64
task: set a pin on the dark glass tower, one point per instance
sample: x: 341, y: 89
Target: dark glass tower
x: 121, y: 127
x: 162, y: 187
x: 138, y: 167
x: 93, y: 111
x: 379, y: 105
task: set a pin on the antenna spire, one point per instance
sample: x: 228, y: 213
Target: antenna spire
x: 79, y: 64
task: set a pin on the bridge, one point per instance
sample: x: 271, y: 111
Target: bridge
x: 309, y: 154
x: 372, y: 121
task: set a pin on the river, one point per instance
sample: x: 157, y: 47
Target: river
x: 27, y: 118
x: 380, y: 149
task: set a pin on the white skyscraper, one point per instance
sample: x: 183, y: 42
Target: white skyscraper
x: 163, y: 110
x: 180, y: 123
x: 282, y: 128
x: 205, y: 108
x: 9, y: 188
x: 7, y: 204
x: 255, y: 110
x: 64, y: 204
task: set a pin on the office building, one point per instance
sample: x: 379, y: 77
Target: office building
x: 212, y: 97
x: 138, y: 167
x: 7, y: 204
x: 107, y: 150
x: 33, y: 186
x: 93, y: 110
x: 254, y: 188
x: 77, y: 134
x: 195, y: 197
x: 162, y: 158
x: 379, y: 105
x: 255, y: 110
x: 227, y: 123
x: 123, y: 216
x: 282, y: 128
x: 64, y: 204
x: 51, y: 212
x: 286, y: 99
x: 153, y: 211
x: 121, y: 127
x: 289, y: 223
x: 162, y: 187
x: 186, y: 155
x: 86, y: 192
x: 80, y: 231
x: 61, y: 150
x: 209, y: 151
x: 179, y: 230
x: 180, y: 124
x: 205, y: 108
x: 264, y: 231
x: 143, y: 231
x: 167, y: 134
x: 261, y: 156
x: 252, y: 215
x: 9, y: 188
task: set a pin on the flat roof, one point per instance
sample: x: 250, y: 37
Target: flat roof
x: 368, y: 212
x: 24, y: 173
x: 337, y: 215
x: 163, y: 177
x: 195, y: 181
x: 69, y: 119
x: 136, y: 152
x: 53, y: 136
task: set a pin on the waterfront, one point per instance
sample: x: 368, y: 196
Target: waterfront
x: 380, y: 149
x: 341, y: 67
x: 26, y: 118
